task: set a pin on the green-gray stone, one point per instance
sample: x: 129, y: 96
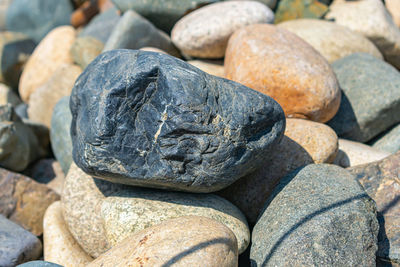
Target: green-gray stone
x: 85, y: 49
x: 389, y: 141
x: 297, y: 9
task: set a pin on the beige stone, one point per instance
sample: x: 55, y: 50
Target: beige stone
x: 59, y: 246
x: 393, y: 7
x: 333, y: 41
x: 48, y: 56
x: 184, y: 241
x: 213, y: 67
x: 153, y: 49
x: 7, y: 96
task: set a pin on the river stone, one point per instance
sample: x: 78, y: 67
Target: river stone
x: 7, y: 96
x: 165, y: 124
x: 213, y: 67
x: 304, y: 142
x: 44, y: 98
x: 333, y: 41
x: 39, y: 264
x: 381, y: 181
x: 184, y: 241
x: 370, y: 97
x: 52, y: 52
x: 16, y: 244
x: 296, y: 9
x: 85, y: 50
x: 209, y: 40
x: 36, y: 18
x: 153, y: 49
x: 278, y: 63
x: 15, y: 49
x: 318, y: 215
x: 133, y: 32
x: 390, y: 141
x: 371, y: 19
x: 393, y: 6
x: 59, y: 246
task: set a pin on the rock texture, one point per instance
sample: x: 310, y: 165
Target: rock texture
x: 185, y: 241
x: 296, y: 9
x: 333, y: 41
x: 317, y: 215
x: 39, y: 264
x: 381, y: 181
x: 213, y: 67
x: 370, y: 97
x: 149, y: 119
x: 276, y: 62
x: 209, y: 40
x: 85, y: 50
x: 390, y: 141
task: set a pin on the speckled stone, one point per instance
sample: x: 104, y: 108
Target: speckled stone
x: 278, y: 63
x: 333, y: 41
x: 370, y: 97
x: 7, y: 96
x: 296, y: 9
x: 390, y: 141
x: 209, y: 40
x: 85, y: 50
x: 381, y: 181
x: 213, y: 67
x: 184, y: 241
x: 318, y: 215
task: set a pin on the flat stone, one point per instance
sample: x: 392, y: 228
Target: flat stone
x: 36, y: 18
x: 43, y: 100
x: 209, y: 40
x: 85, y: 50
x: 354, y: 153
x: 52, y: 52
x: 318, y: 215
x: 184, y: 241
x: 370, y: 97
x: 166, y: 124
x: 296, y: 9
x: 381, y: 181
x: 371, y: 19
x: 333, y: 41
x: 133, y: 32
x: 100, y: 214
x: 59, y: 246
x: 60, y: 137
x: 393, y: 6
x: 305, y: 142
x: 390, y: 141
x: 16, y: 244
x: 7, y: 96
x: 39, y: 264
x: 213, y: 67
x: 278, y: 63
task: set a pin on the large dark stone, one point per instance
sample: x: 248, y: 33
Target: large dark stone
x: 152, y: 120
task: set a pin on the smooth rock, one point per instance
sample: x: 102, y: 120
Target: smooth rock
x: 381, y: 181
x: 371, y: 19
x: 390, y: 141
x: 165, y: 124
x: 59, y: 246
x: 22, y: 110
x: 184, y: 241
x: 7, y: 96
x: 85, y: 50
x: 42, y: 134
x: 133, y: 32
x: 52, y: 52
x: 15, y: 49
x: 270, y: 3
x: 370, y: 97
x: 278, y: 63
x: 295, y: 9
x: 305, y: 142
x: 16, y: 244
x: 43, y: 100
x: 60, y: 137
x: 39, y: 264
x: 333, y: 41
x: 85, y: 12
x: 36, y: 18
x: 99, y: 214
x: 354, y: 153
x: 213, y: 67
x: 209, y: 40
x: 153, y: 49
x: 4, y: 4
x: 393, y: 6
x: 317, y: 216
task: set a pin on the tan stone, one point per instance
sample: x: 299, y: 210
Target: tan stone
x: 280, y: 64
x: 51, y: 53
x: 213, y: 67
x: 24, y: 201
x: 393, y: 7
x: 153, y: 49
x: 44, y: 98
x: 331, y: 40
x: 184, y: 241
x: 8, y: 96
x: 59, y: 246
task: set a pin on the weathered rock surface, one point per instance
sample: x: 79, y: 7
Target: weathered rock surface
x: 381, y: 181
x: 296, y: 9
x: 85, y: 50
x: 278, y: 63
x: 213, y: 67
x: 7, y: 96
x: 165, y: 124
x: 209, y: 40
x: 184, y: 241
x: 333, y: 41
x: 16, y: 244
x: 390, y: 141
x: 317, y: 215
x: 370, y: 97
x: 59, y: 246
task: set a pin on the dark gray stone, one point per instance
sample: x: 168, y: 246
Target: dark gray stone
x: 17, y: 245
x: 60, y: 133
x: 39, y: 264
x: 36, y: 18
x: 318, y: 215
x: 149, y: 119
x: 370, y: 97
